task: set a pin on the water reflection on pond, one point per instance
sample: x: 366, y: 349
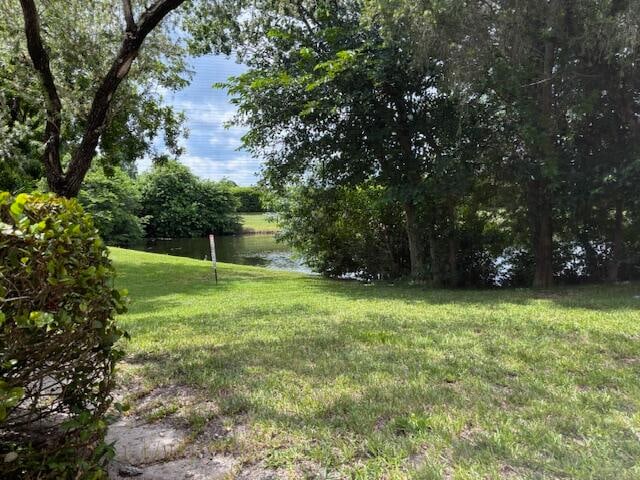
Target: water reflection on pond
x: 256, y: 250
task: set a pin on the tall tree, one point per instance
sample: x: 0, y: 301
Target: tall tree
x: 540, y: 60
x: 330, y: 101
x: 94, y: 121
x: 400, y: 94
x: 608, y: 127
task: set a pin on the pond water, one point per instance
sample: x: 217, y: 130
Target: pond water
x: 256, y: 250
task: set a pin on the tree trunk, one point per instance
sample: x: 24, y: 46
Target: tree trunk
x: 416, y: 245
x: 453, y: 261
x: 452, y: 245
x: 540, y: 214
x: 543, y: 277
x: 540, y: 210
x: 434, y: 254
x: 613, y: 268
x: 395, y: 269
x: 40, y: 58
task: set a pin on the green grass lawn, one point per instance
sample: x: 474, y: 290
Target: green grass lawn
x: 394, y: 382
x: 257, y: 222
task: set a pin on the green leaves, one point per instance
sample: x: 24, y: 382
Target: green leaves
x: 39, y: 320
x: 343, y: 60
x: 306, y: 53
x: 56, y: 279
x: 17, y: 207
x: 9, y: 398
x: 114, y: 201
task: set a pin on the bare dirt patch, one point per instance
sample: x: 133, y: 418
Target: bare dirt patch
x: 158, y: 440
x: 139, y: 444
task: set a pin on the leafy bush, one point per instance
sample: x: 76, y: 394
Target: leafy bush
x: 345, y: 231
x: 57, y: 336
x: 113, y: 201
x: 177, y: 204
x: 360, y: 231
x: 217, y: 209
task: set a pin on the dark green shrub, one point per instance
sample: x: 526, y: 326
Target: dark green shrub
x: 113, y: 201
x: 217, y: 209
x: 57, y: 336
x: 345, y: 231
x: 360, y: 231
x: 177, y: 204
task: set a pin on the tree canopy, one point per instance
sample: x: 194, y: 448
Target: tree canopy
x: 177, y: 204
x: 95, y: 86
x: 498, y: 112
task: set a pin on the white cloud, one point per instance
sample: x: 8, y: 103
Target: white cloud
x: 226, y: 141
x: 207, y: 113
x: 162, y: 91
x: 211, y: 149
x: 143, y: 164
x: 241, y: 169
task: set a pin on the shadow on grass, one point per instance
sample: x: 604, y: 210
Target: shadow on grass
x: 357, y: 385
x: 592, y: 297
x: 147, y: 281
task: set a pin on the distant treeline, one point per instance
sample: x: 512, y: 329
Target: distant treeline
x: 251, y: 199
x: 166, y: 202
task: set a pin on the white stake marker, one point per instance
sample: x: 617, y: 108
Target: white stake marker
x: 214, y: 261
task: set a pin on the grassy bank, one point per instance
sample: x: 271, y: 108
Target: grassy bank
x: 391, y: 382
x: 257, y: 223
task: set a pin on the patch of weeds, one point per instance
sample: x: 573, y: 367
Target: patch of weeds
x: 197, y: 420
x: 234, y: 405
x: 377, y: 337
x: 412, y: 424
x: 282, y: 458
x: 163, y: 411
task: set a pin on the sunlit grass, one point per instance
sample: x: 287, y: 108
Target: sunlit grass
x: 396, y: 382
x: 257, y: 222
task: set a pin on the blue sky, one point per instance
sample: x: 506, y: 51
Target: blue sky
x: 211, y: 151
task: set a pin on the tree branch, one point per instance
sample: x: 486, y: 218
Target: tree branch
x: 128, y: 15
x: 155, y: 13
x: 40, y: 59
x: 304, y: 14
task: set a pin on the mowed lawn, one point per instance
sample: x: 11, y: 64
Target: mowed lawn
x: 257, y: 222
x: 391, y: 382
